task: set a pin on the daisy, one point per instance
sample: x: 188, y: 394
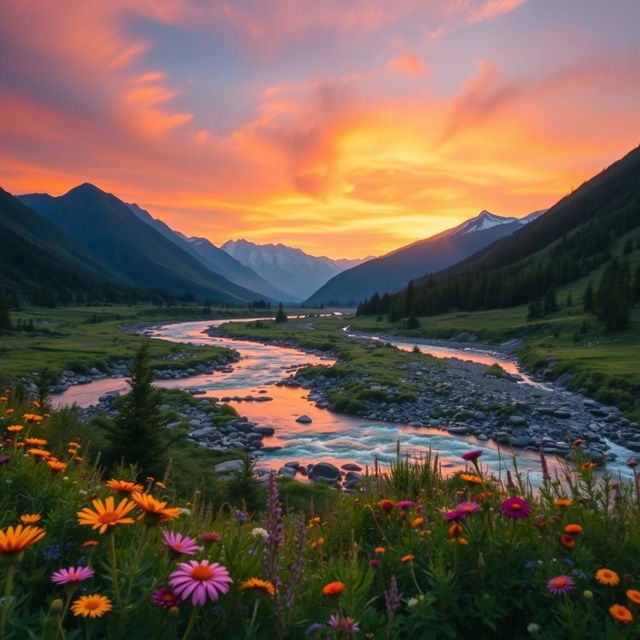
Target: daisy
x: 200, y: 581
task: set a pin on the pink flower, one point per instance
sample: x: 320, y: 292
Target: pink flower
x: 180, y: 544
x: 516, y: 508
x: 472, y: 455
x: 560, y: 585
x: 166, y: 598
x: 348, y: 625
x: 210, y: 538
x: 453, y: 515
x: 71, y: 575
x: 468, y: 507
x: 200, y: 580
x: 405, y: 504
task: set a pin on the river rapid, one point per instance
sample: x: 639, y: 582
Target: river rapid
x: 330, y: 437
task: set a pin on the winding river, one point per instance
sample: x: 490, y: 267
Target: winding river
x: 330, y: 437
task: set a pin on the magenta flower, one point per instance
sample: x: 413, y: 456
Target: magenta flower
x: 456, y: 514
x: 72, y: 575
x: 4, y: 459
x: 560, y: 585
x: 470, y: 456
x: 374, y: 562
x: 210, y: 538
x: 200, y: 580
x: 516, y: 508
x: 405, y: 504
x: 166, y: 598
x: 180, y: 544
x: 468, y: 507
x: 348, y: 625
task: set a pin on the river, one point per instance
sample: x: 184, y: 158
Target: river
x: 331, y: 437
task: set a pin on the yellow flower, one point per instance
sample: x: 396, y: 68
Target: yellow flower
x: 15, y: 539
x: 30, y: 518
x: 317, y: 543
x: 256, y: 583
x: 608, y: 577
x: 94, y: 606
x: 106, y: 514
x: 470, y: 478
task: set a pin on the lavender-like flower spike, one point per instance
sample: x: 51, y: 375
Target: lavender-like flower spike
x: 273, y: 525
x: 392, y: 598
x: 543, y: 464
x: 297, y: 566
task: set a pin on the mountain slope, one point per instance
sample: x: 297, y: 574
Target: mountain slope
x: 290, y: 269
x: 392, y: 271
x: 213, y: 258
x: 575, y: 237
x: 106, y: 226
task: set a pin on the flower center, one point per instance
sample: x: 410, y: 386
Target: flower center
x: 515, y: 505
x: 201, y: 572
x: 91, y: 604
x: 167, y: 597
x: 108, y: 517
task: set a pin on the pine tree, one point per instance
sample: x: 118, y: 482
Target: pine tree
x: 413, y: 322
x: 5, y: 318
x: 613, y: 299
x: 281, y: 316
x: 588, y: 302
x: 136, y: 434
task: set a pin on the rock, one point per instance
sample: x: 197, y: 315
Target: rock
x: 325, y: 472
x: 293, y: 464
x: 304, y: 419
x: 265, y: 431
x: 350, y: 466
x: 517, y: 420
x: 230, y: 466
x: 563, y: 379
x: 562, y: 413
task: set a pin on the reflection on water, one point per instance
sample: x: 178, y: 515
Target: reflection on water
x: 330, y: 437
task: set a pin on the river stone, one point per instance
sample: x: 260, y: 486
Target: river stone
x: 304, y: 419
x: 517, y: 420
x: 265, y: 431
x: 230, y: 466
x: 325, y: 472
x: 350, y: 466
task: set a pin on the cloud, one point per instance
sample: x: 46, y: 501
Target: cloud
x: 492, y: 9
x: 407, y: 63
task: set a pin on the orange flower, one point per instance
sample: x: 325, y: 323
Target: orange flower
x: 417, y: 522
x: 90, y: 543
x: 567, y: 540
x: 408, y: 558
x: 577, y: 442
x: 56, y: 465
x: 94, y: 606
x: 313, y: 522
x: 574, y: 529
x: 154, y: 508
x: 39, y: 453
x: 262, y: 585
x: 587, y: 466
x: 333, y: 588
x: 459, y: 540
x: 10, y: 412
x: 386, y: 505
x: 608, y: 577
x: 455, y: 530
x: 14, y: 428
x: 106, y: 514
x: 30, y: 518
x: 75, y: 445
x: 634, y: 596
x: 562, y: 502
x: 32, y: 417
x: 161, y: 485
x: 79, y: 459
x: 15, y: 539
x: 123, y: 486
x: 379, y: 550
x: 620, y: 613
x: 317, y: 543
x: 470, y: 478
x: 36, y: 442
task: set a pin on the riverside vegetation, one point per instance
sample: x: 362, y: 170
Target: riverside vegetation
x: 411, y: 553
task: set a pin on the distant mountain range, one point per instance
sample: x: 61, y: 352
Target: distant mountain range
x: 291, y: 270
x: 391, y: 272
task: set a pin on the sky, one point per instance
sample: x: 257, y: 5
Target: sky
x: 347, y: 128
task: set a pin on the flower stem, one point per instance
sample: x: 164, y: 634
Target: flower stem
x: 8, y: 586
x: 133, y: 568
x: 114, y: 569
x: 192, y: 621
x: 251, y: 630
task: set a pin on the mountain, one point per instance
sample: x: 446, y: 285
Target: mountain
x: 213, y: 258
x: 576, y: 236
x: 290, y: 269
x: 107, y: 228
x: 392, y: 271
x: 37, y: 256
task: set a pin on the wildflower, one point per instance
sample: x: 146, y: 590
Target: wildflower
x: 560, y: 585
x: 333, y: 588
x: 568, y: 540
x: 574, y: 529
x: 75, y: 445
x: 317, y: 543
x: 154, y: 509
x: 180, y: 544
x: 412, y: 602
x: 386, y: 505
x: 608, y: 577
x: 468, y: 507
x: 407, y: 559
x: 577, y: 442
x: 516, y: 508
x: 455, y: 530
x: 417, y: 522
x: 15, y: 428
x: 379, y: 550
x: 470, y: 456
x: 259, y: 532
x: 240, y: 517
x: 106, y: 514
x: 165, y: 598
x: 259, y: 585
x: 633, y: 595
x: 71, y: 575
x: 39, y: 453
x: 346, y: 624
x: 621, y: 613
x: 392, y: 598
x: 588, y: 466
x: 470, y: 478
x: 13, y: 540
x: 374, y: 562
x: 90, y: 543
x: 32, y: 417
x: 562, y: 502
x: 405, y: 504
x: 312, y: 628
x: 460, y: 540
x: 30, y: 518
x: 587, y: 594
x: 4, y: 459
x: 52, y: 552
x: 160, y: 485
x: 209, y: 538
x: 533, y: 627
x: 94, y: 606
x: 36, y: 442
x: 10, y: 412
x: 56, y: 465
x: 123, y: 486
x: 313, y: 522
x: 200, y: 580
x: 453, y: 515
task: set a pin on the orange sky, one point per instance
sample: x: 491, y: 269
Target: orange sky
x: 346, y: 129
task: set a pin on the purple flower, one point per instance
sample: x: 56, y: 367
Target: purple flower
x: 240, y: 516
x: 71, y: 575
x: 312, y: 628
x: 453, y: 515
x: 392, y: 598
x: 470, y: 456
x: 468, y: 507
x: 165, y: 598
x: 200, y: 580
x: 374, y: 562
x: 348, y: 625
x: 4, y: 459
x: 180, y: 544
x: 405, y: 504
x: 516, y: 508
x: 560, y: 585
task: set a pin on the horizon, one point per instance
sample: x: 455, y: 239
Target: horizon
x: 339, y: 132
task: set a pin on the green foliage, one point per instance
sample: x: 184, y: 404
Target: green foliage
x: 495, y: 370
x: 281, y: 316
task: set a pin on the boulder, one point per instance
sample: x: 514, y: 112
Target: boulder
x: 324, y: 472
x: 230, y: 466
x: 304, y: 419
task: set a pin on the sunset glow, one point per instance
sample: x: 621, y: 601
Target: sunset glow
x: 344, y: 128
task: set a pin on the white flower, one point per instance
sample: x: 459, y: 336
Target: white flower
x: 532, y: 627
x: 185, y: 512
x: 259, y: 532
x: 412, y: 602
